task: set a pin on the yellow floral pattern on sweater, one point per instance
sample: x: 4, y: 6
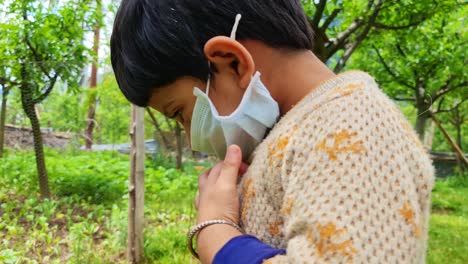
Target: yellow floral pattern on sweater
x: 248, y: 192
x: 342, y: 143
x: 338, y: 180
x: 277, y: 151
x: 325, y: 244
x: 408, y: 213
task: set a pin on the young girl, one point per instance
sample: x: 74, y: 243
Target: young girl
x: 335, y: 175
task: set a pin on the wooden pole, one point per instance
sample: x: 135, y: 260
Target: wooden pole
x: 136, y: 187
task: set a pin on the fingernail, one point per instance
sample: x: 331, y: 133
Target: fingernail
x: 232, y: 153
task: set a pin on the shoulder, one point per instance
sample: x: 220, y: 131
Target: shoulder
x: 348, y: 114
x: 352, y: 94
x: 351, y: 101
x: 351, y: 116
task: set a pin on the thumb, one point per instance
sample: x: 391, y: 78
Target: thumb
x: 232, y: 162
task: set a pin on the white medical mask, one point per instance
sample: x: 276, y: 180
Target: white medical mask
x: 245, y: 127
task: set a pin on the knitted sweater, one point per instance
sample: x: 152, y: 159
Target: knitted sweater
x: 342, y: 178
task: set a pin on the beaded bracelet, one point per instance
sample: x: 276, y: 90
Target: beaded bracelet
x: 196, y: 229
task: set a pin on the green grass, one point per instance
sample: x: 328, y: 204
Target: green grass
x: 448, y: 234
x: 448, y: 239
x: 87, y: 221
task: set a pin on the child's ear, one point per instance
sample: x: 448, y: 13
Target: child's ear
x: 229, y: 55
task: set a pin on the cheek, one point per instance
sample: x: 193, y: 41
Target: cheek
x: 226, y: 103
x: 219, y: 102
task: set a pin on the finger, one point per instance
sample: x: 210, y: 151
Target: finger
x: 231, y: 166
x: 203, y: 178
x: 197, y: 201
x: 214, y: 173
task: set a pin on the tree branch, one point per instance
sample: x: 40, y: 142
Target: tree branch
x: 172, y: 128
x: 390, y: 71
x: 439, y: 107
x: 463, y: 84
x: 400, y: 50
x: 447, y: 88
x: 360, y: 38
x: 5, y: 90
x: 410, y: 99
x: 320, y: 7
x: 340, y: 41
x: 445, y: 91
x: 4, y: 80
x: 37, y: 60
x: 440, y: 93
x: 450, y: 109
x: 43, y: 96
x: 432, y: 68
x: 167, y: 145
x: 330, y: 19
x: 347, y: 54
x: 455, y: 147
x: 383, y: 26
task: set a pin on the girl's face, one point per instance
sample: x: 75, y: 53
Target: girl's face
x: 177, y: 101
x: 234, y: 70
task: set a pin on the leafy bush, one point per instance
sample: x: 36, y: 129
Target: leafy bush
x: 450, y: 196
x: 87, y: 223
x: 97, y: 177
x: 97, y: 189
x: 163, y: 160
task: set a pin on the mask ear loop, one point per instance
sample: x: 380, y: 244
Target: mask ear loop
x: 233, y: 36
x: 209, y: 80
x: 236, y: 25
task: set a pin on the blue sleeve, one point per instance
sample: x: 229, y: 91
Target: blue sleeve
x: 245, y: 249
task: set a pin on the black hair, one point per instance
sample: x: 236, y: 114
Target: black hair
x: 155, y: 42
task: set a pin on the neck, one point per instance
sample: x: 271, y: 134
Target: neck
x: 288, y: 75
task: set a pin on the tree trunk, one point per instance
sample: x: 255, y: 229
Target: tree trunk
x: 3, y: 120
x: 429, y: 134
x: 459, y: 119
x: 421, y: 122
x: 178, y: 134
x: 459, y: 136
x: 90, y: 122
x: 28, y: 107
x: 463, y: 167
x: 136, y: 187
x: 167, y: 145
x: 318, y: 47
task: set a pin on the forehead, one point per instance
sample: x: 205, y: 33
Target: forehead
x: 178, y: 92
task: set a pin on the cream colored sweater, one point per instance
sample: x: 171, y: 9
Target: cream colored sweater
x: 342, y: 178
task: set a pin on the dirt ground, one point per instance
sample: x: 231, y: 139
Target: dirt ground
x: 22, y: 138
